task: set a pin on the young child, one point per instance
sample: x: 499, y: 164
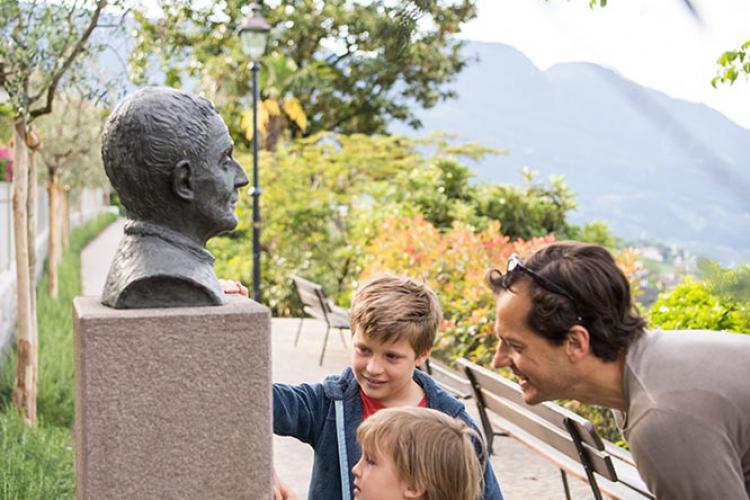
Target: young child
x: 417, y: 453
x: 394, y: 322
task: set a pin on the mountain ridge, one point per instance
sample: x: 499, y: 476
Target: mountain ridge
x: 651, y: 165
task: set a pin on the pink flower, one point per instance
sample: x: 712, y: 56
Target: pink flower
x: 6, y: 163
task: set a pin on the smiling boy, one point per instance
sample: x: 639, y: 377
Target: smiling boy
x: 394, y: 322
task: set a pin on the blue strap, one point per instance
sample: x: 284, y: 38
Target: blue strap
x: 343, y: 463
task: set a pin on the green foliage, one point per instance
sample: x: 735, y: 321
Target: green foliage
x: 325, y: 197
x: 593, y: 232
x: 693, y: 305
x: 319, y: 206
x: 39, y: 42
x: 730, y: 284
x: 530, y: 211
x: 359, y: 65
x: 6, y: 122
x: 732, y: 63
x: 35, y: 464
x: 72, y: 141
x: 55, y: 388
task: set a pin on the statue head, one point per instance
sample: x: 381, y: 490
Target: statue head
x: 168, y: 155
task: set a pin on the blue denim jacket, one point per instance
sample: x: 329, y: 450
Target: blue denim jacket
x: 307, y: 412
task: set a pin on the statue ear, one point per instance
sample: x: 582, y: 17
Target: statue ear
x: 182, y: 181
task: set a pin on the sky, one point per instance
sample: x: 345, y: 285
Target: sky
x: 656, y: 43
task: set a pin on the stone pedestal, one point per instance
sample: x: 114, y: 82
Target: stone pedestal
x: 173, y: 403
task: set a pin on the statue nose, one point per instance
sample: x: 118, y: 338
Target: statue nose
x: 241, y: 177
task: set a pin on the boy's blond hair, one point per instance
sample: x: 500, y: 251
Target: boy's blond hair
x: 431, y: 451
x: 390, y: 308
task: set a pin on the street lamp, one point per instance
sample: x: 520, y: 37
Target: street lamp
x: 253, y: 37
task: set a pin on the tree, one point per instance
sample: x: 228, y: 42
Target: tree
x: 279, y: 111
x: 40, y: 42
x: 359, y: 64
x: 71, y: 154
x: 326, y: 197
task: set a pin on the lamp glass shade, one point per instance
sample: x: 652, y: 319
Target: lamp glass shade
x: 253, y: 43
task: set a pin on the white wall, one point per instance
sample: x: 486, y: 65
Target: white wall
x: 89, y: 204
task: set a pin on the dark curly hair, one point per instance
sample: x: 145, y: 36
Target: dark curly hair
x: 602, y: 301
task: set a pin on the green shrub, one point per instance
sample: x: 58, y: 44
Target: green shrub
x: 34, y: 463
x: 693, y: 305
x: 326, y: 196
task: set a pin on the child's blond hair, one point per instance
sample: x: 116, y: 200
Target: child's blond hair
x: 389, y: 308
x: 431, y: 451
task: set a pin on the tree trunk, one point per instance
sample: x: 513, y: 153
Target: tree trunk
x: 31, y: 208
x: 65, y: 191
x: 54, y: 231
x: 24, y: 393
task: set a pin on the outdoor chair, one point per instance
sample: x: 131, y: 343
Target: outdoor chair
x: 318, y: 306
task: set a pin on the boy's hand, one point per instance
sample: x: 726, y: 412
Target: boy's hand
x: 281, y: 491
x: 233, y: 287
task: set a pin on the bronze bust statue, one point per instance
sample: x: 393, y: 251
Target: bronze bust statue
x: 168, y: 155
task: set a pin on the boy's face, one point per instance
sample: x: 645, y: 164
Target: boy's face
x: 376, y: 478
x: 384, y: 371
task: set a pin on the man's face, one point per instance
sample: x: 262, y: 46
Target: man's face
x: 384, y: 371
x: 542, y: 368
x: 216, y: 182
x: 376, y: 478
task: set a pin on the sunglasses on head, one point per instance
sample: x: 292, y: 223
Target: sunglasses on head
x: 516, y: 264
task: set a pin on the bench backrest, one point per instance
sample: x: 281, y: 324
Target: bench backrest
x: 450, y: 380
x: 551, y: 425
x: 542, y: 421
x: 312, y: 297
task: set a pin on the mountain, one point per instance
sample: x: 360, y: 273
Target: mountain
x: 652, y: 166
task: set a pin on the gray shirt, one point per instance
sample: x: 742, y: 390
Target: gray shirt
x: 688, y: 418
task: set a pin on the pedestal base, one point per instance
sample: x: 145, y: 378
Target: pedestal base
x: 173, y: 403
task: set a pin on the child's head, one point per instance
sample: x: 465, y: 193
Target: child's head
x: 390, y: 308
x: 417, y: 453
x: 394, y: 321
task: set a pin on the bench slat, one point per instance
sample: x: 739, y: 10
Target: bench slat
x: 609, y: 488
x: 449, y: 379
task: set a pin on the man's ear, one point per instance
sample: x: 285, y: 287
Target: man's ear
x: 577, y: 342
x: 182, y: 181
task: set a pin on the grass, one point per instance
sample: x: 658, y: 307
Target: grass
x: 38, y: 463
x: 34, y: 463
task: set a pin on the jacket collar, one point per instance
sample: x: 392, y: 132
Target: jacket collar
x: 345, y: 387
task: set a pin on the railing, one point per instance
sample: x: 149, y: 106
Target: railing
x: 85, y: 204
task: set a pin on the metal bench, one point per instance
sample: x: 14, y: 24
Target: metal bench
x: 561, y: 436
x: 318, y: 306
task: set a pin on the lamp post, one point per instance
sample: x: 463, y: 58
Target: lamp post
x: 253, y: 37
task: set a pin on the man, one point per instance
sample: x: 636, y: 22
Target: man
x: 568, y: 329
x: 169, y: 157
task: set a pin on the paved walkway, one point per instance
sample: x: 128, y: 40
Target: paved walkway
x: 522, y: 473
